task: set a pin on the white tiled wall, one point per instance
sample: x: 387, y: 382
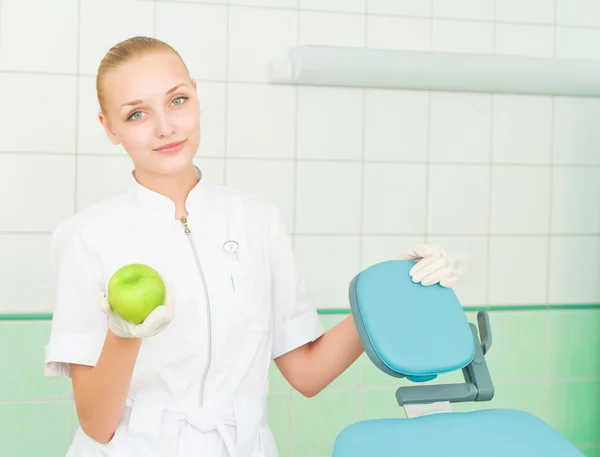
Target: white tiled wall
x: 512, y: 181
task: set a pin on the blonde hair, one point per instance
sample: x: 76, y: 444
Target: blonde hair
x: 126, y: 51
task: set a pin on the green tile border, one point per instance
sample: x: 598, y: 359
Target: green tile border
x: 574, y: 306
x: 329, y: 311
x: 554, y: 307
x: 26, y: 317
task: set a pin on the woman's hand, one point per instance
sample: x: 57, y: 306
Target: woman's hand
x: 433, y: 265
x: 156, y: 321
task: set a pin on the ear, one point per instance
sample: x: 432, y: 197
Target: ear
x: 194, y: 84
x: 106, y: 124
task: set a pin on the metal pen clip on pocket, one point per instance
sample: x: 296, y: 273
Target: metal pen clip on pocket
x: 232, y: 247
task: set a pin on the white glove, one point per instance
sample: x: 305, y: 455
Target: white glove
x: 156, y: 321
x: 433, y: 265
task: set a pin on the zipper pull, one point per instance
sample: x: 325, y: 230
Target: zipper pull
x: 185, y: 225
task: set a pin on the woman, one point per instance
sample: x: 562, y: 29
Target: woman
x: 192, y: 379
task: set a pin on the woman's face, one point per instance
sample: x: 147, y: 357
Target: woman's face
x: 152, y: 109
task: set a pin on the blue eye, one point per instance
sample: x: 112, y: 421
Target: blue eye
x: 181, y: 100
x: 136, y: 115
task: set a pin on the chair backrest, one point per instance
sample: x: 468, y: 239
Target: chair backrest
x: 419, y: 332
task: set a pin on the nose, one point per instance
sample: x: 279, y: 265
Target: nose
x: 164, y: 126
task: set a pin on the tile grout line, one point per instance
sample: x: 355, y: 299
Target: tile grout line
x: 551, y: 201
x: 1, y: 8
x: 488, y: 288
x: 363, y: 199
x: 26, y: 401
x: 500, y: 381
x: 77, y: 96
x: 71, y: 421
x: 72, y: 411
x: 154, y: 18
x: 549, y: 259
x: 494, y: 28
x: 427, y: 162
x: 383, y: 15
x: 448, y: 234
x: 294, y: 217
x: 555, y: 26
x: 294, y: 158
x: 226, y: 94
x: 370, y: 387
x: 428, y: 167
x: 315, y: 160
x: 255, y: 82
x: 359, y: 397
x: 374, y: 235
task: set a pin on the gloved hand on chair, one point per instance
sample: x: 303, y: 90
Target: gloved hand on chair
x: 433, y: 265
x: 156, y: 321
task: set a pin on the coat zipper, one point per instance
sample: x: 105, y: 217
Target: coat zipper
x: 188, y: 233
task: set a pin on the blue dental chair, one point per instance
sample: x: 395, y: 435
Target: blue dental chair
x: 417, y: 332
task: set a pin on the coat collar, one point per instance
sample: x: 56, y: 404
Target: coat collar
x: 154, y: 201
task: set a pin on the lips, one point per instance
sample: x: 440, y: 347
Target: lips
x: 171, y: 147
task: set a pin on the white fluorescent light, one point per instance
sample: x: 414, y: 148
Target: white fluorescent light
x: 413, y: 70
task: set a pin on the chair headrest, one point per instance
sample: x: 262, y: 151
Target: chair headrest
x: 409, y: 330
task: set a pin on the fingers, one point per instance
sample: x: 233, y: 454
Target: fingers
x: 169, y: 302
x: 424, y: 267
x: 432, y: 267
x: 156, y: 321
x: 169, y: 313
x: 155, y: 318
x: 449, y: 280
x: 436, y: 276
x: 169, y: 295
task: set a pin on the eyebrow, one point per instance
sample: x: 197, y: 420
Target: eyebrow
x: 170, y: 91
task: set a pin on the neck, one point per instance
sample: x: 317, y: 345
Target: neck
x: 175, y: 186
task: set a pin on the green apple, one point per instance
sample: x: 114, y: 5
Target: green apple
x: 134, y: 291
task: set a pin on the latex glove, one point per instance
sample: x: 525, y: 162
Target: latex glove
x: 433, y: 265
x: 156, y: 321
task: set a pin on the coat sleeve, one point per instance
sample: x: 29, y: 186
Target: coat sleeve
x: 78, y: 325
x: 296, y: 321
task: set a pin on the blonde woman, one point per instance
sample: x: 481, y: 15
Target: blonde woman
x: 192, y: 379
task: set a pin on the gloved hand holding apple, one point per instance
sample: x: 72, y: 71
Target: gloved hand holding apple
x: 138, y: 303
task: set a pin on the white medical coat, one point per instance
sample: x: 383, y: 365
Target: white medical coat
x: 259, y: 309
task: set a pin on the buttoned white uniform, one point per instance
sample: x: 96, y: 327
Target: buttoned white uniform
x: 199, y: 387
